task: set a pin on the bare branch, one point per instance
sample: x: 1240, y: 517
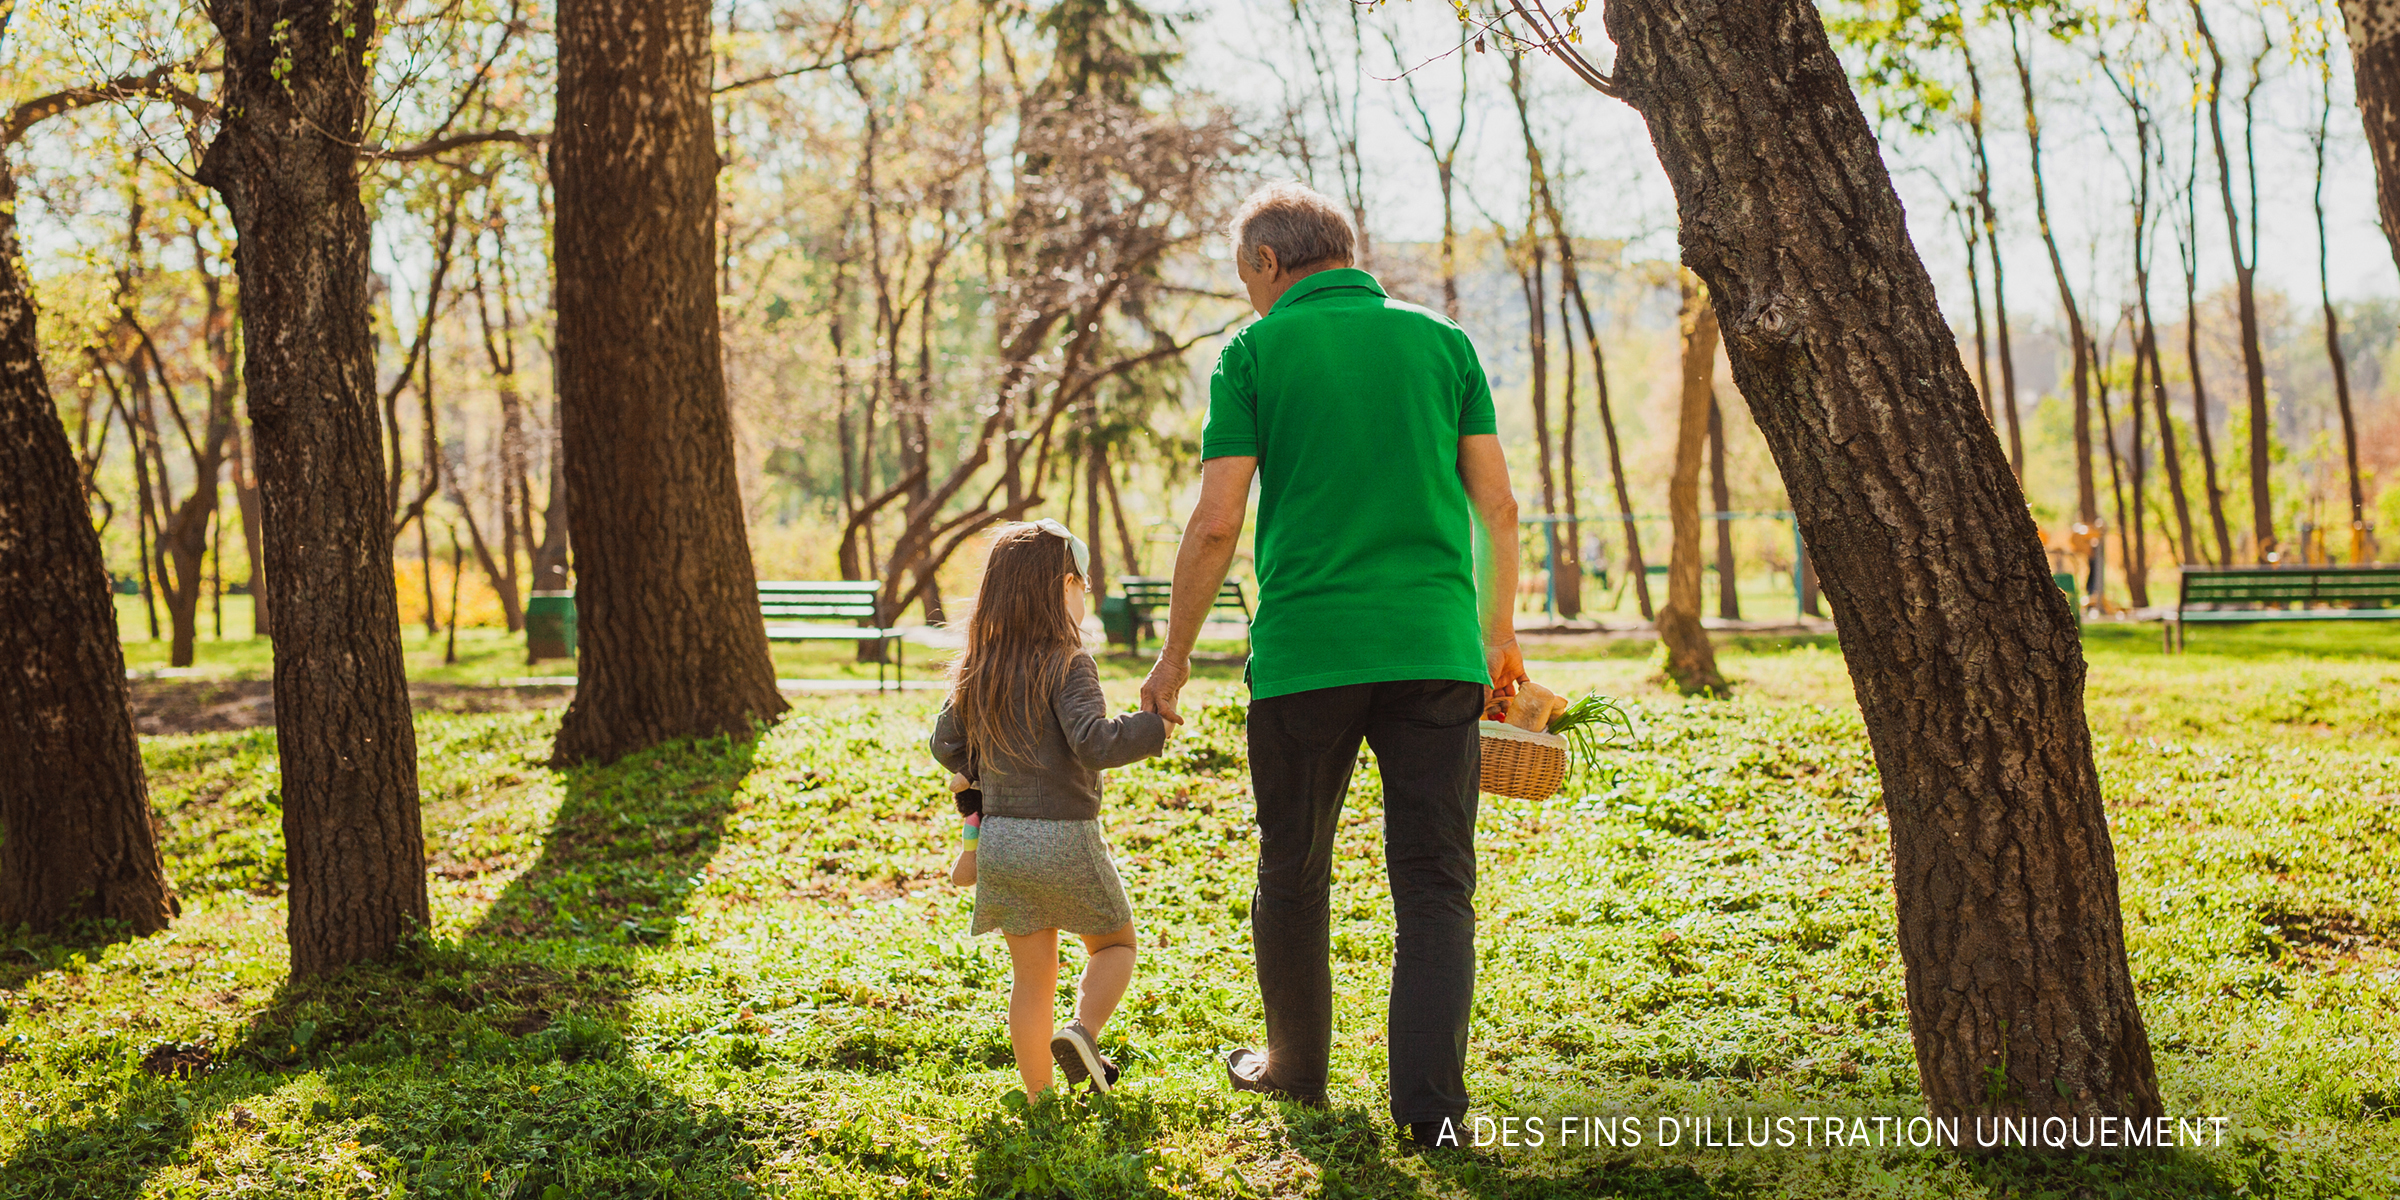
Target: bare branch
x: 433, y: 146
x: 831, y: 64
x: 155, y: 83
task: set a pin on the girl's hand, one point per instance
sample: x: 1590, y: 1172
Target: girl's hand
x: 959, y: 783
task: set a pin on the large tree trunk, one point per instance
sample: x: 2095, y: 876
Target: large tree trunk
x: 1964, y: 655
x: 284, y: 160
x: 666, y: 598
x: 2374, y: 27
x: 75, y: 836
x: 1691, y: 661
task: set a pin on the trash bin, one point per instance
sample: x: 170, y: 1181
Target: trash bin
x: 2066, y: 583
x: 549, y: 626
x: 1117, y: 620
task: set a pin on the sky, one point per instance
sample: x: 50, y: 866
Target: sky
x: 1248, y: 52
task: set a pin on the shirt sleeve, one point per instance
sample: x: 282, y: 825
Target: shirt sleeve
x: 1101, y: 741
x: 1475, y: 413
x: 1232, y: 427
x: 949, y: 743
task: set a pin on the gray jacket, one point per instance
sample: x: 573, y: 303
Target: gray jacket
x: 1076, y: 740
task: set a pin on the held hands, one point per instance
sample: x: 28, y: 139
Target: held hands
x: 1165, y: 683
x: 959, y: 783
x: 1505, y: 664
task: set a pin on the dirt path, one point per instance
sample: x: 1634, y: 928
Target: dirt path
x: 215, y: 705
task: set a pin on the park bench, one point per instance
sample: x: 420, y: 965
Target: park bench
x: 1143, y: 594
x: 798, y: 611
x: 2231, y: 595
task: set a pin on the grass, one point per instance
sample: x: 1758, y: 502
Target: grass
x: 732, y: 969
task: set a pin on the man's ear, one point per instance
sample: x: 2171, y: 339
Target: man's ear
x: 1269, y: 265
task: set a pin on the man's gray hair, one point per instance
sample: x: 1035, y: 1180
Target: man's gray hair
x: 1305, y: 227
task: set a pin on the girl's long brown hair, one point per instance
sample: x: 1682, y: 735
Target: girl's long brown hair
x: 1019, y: 644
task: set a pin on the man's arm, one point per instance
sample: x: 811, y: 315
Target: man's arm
x: 1484, y: 470
x: 1209, y: 540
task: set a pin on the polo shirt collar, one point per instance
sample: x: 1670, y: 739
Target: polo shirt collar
x: 1323, y: 281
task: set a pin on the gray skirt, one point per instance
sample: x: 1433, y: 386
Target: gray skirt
x: 1032, y: 875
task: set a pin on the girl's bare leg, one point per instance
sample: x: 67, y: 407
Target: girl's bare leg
x: 1032, y: 1001
x: 1105, y: 977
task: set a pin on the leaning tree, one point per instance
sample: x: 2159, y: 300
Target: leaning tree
x: 75, y: 835
x: 1964, y: 655
x: 285, y: 158
x: 666, y: 598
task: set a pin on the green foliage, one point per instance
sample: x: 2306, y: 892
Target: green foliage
x: 729, y: 970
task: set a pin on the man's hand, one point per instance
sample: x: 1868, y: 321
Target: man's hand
x: 1164, y: 683
x: 1505, y: 663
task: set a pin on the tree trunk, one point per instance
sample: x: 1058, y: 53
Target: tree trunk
x: 75, y: 834
x: 1720, y: 493
x: 2200, y: 424
x: 2169, y: 455
x: 2245, y: 289
x: 284, y: 160
x: 1965, y: 656
x: 1989, y: 215
x: 1568, y: 579
x: 2374, y: 28
x: 2333, y: 339
x: 1691, y: 661
x: 2087, y: 494
x: 245, y: 498
x: 2128, y: 527
x: 550, y: 558
x: 1563, y: 564
x: 667, y: 604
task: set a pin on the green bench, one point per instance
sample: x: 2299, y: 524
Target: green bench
x: 797, y: 611
x: 1142, y: 595
x: 2234, y: 595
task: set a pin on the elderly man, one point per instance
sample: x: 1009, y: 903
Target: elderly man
x: 1368, y: 424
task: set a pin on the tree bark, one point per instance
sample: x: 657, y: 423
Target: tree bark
x: 1720, y: 494
x: 284, y: 160
x: 75, y: 834
x: 2374, y: 29
x: 1691, y: 661
x: 670, y: 638
x: 1965, y: 656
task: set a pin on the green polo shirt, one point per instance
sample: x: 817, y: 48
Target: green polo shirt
x: 1353, y: 404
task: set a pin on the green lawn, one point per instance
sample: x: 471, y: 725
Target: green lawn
x: 731, y: 969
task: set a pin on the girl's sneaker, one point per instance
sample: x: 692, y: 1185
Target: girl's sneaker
x: 1079, y: 1058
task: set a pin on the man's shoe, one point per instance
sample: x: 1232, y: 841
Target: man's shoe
x: 1435, y: 1135
x: 1079, y: 1058
x: 1247, y: 1071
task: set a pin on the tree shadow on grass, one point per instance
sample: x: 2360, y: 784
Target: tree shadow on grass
x: 492, y: 1065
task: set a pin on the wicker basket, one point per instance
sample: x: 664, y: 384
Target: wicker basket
x: 1522, y: 763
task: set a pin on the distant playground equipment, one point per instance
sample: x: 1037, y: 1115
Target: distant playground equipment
x: 1599, y: 527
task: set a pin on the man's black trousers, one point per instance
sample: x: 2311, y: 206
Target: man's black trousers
x: 1303, y: 747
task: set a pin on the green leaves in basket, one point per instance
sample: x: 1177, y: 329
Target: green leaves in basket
x: 1587, y: 724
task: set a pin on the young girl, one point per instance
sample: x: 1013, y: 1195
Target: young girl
x: 1027, y: 725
